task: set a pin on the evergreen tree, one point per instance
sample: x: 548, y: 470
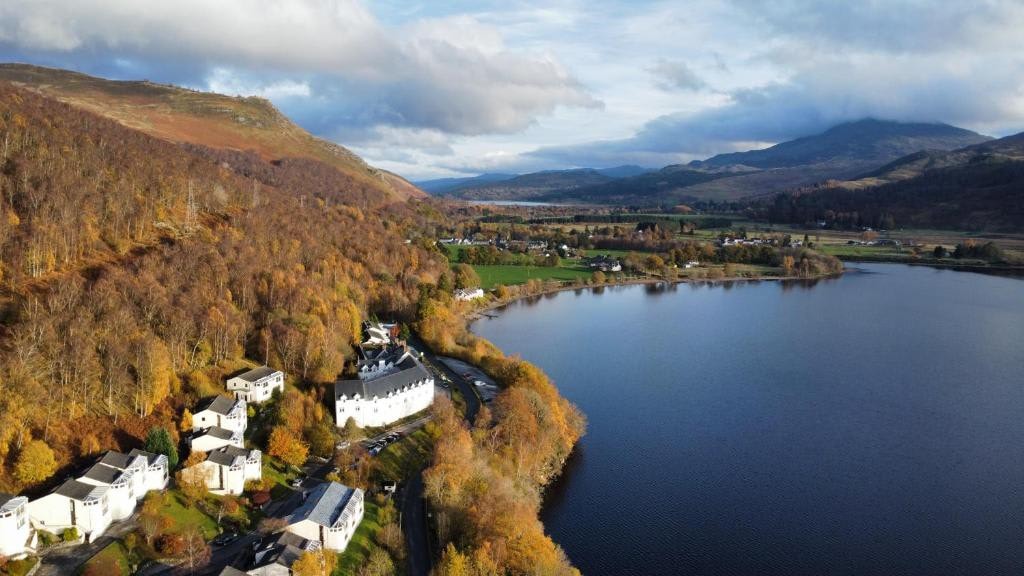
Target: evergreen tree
x: 159, y: 441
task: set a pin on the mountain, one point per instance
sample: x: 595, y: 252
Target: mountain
x: 527, y: 186
x: 202, y: 118
x: 446, y: 186
x: 979, y: 187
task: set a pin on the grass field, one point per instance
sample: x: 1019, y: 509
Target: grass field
x: 491, y: 276
x: 185, y: 517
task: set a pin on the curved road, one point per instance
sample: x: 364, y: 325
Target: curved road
x: 414, y: 507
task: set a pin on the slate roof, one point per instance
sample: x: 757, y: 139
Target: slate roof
x: 80, y: 490
x: 282, y: 549
x: 103, y: 473
x: 151, y: 458
x: 229, y: 455
x: 217, y: 432
x: 323, y: 505
x: 409, y: 371
x: 9, y: 502
x: 220, y: 404
x: 256, y: 374
x: 118, y: 460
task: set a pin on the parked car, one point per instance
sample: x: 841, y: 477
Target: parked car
x: 297, y: 482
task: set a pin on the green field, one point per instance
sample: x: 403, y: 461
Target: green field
x: 491, y: 276
x: 112, y: 560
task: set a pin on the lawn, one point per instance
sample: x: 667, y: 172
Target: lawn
x: 185, y: 517
x: 362, y: 543
x: 111, y: 560
x: 491, y: 276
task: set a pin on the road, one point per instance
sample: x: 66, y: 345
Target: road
x: 414, y: 507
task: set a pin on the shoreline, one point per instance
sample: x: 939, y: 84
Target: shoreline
x: 480, y: 312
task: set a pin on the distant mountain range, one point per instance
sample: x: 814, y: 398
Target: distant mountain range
x: 978, y: 187
x: 840, y: 153
x: 526, y: 186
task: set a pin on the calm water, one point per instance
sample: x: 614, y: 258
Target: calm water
x: 870, y: 425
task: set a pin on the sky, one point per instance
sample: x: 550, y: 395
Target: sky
x: 438, y: 89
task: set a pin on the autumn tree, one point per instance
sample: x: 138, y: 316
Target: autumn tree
x: 191, y: 479
x: 285, y: 445
x: 196, y: 551
x: 315, y: 563
x: 35, y: 463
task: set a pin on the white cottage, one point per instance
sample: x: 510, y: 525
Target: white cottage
x: 157, y: 470
x: 220, y: 411
x: 136, y: 466
x: 73, y: 504
x: 213, y: 438
x: 227, y: 469
x: 391, y: 385
x: 121, y: 494
x: 467, y: 294
x: 17, y: 537
x: 256, y: 385
x: 329, y: 514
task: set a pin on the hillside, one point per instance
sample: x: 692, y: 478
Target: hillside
x: 202, y: 118
x: 531, y: 186
x: 136, y: 271
x: 979, y: 187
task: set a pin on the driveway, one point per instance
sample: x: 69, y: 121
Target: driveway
x: 64, y: 561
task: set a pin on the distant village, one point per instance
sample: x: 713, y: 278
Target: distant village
x: 391, y: 384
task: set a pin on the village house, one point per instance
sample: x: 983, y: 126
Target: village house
x: 256, y: 385
x: 213, y: 438
x: 227, y: 469
x: 467, y: 294
x: 221, y: 411
x: 605, y: 264
x: 329, y: 514
x: 157, y: 469
x: 17, y: 537
x: 121, y: 488
x: 272, y: 555
x: 73, y: 504
x: 391, y: 385
x: 136, y: 466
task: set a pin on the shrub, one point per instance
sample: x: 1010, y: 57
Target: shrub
x: 70, y: 534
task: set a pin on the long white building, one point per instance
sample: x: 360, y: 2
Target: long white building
x: 392, y: 384
x: 221, y: 411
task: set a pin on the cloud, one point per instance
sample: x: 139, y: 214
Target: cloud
x: 451, y: 74
x: 676, y: 75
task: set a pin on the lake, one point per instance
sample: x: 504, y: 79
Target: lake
x: 871, y: 424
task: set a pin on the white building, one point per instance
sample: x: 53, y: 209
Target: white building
x: 226, y: 470
x: 136, y: 465
x: 17, y: 537
x: 73, y: 504
x: 467, y: 294
x: 213, y: 438
x: 256, y: 385
x: 157, y: 470
x: 692, y: 264
x: 392, y: 384
x: 221, y: 411
x: 329, y: 515
x: 121, y: 494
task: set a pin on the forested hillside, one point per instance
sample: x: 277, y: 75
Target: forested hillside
x: 136, y: 271
x: 203, y: 118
